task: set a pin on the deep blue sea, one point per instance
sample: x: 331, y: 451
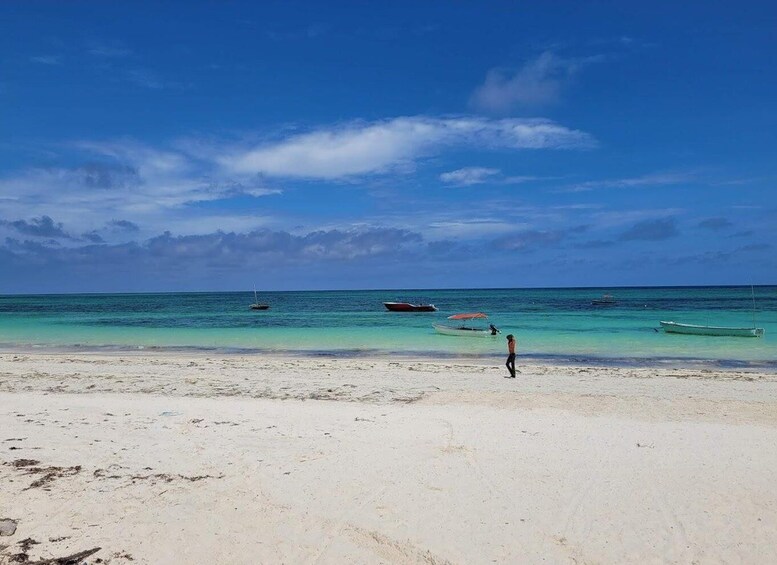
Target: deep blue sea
x: 552, y: 324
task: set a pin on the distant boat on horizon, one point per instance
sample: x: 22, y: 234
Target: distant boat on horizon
x: 258, y: 305
x: 605, y: 300
x: 408, y: 307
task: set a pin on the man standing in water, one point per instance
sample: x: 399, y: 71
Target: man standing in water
x: 510, y: 364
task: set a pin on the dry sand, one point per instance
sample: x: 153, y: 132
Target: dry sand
x: 183, y: 458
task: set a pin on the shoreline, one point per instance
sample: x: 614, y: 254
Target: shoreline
x: 203, y: 458
x: 547, y: 359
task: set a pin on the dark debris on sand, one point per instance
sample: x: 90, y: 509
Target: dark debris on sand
x: 46, y: 474
x: 23, y: 463
x: 167, y: 478
x: 72, y: 559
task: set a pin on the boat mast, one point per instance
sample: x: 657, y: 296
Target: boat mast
x: 752, y: 293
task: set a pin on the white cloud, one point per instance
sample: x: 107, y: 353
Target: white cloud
x: 469, y: 176
x: 655, y: 179
x: 47, y: 59
x: 144, y: 78
x: 472, y: 228
x: 161, y: 187
x: 615, y: 218
x: 147, y: 78
x: 189, y: 224
x: 108, y: 51
x: 368, y: 148
x: 150, y: 159
x: 123, y: 180
x: 539, y: 82
x: 524, y: 178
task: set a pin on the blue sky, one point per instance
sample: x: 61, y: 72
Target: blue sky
x: 307, y: 145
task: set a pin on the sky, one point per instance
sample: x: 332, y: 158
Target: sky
x: 194, y: 146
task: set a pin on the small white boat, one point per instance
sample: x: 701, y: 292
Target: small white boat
x: 690, y: 329
x: 464, y: 329
x: 605, y: 300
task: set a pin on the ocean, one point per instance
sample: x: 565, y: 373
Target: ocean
x: 559, y: 325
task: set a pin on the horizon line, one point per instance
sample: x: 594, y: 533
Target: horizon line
x: 419, y: 289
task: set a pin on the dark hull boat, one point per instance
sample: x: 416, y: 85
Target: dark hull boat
x: 258, y: 305
x: 407, y: 307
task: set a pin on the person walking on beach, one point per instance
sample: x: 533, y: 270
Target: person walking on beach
x: 510, y: 364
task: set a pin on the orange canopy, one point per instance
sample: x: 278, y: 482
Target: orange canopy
x: 471, y: 316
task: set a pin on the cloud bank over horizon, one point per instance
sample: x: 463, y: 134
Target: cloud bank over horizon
x: 388, y: 253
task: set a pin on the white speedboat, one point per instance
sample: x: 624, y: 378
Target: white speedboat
x: 464, y: 327
x: 691, y: 329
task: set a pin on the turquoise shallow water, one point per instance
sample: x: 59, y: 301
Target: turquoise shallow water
x: 548, y: 323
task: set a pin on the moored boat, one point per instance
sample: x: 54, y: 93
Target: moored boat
x: 408, y: 307
x: 691, y: 329
x: 464, y: 327
x: 605, y: 300
x: 258, y: 305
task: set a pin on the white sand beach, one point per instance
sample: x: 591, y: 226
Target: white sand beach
x: 191, y: 458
